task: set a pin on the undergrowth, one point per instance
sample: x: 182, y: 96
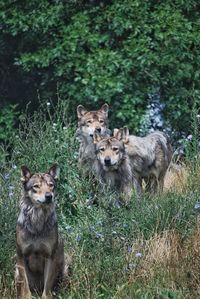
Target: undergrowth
x: 149, y: 249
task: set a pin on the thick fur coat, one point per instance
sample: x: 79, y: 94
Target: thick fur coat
x: 40, y: 250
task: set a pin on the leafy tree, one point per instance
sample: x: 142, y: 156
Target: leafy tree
x: 117, y: 52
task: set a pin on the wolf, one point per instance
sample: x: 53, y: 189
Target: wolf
x: 150, y: 157
x: 112, y: 166
x: 39, y: 248
x: 88, y: 123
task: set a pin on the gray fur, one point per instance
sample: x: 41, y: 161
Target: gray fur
x: 34, y: 220
x: 150, y: 157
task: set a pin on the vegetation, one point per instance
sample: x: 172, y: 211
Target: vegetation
x: 142, y: 58
x: 92, y: 51
x: 150, y: 249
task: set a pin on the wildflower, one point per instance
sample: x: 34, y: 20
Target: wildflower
x: 11, y: 187
x: 114, y: 232
x: 117, y: 204
x: 64, y: 128
x: 14, y: 166
x: 131, y: 266
x: 10, y: 194
x: 189, y: 137
x: 68, y: 228
x: 99, y: 236
x: 197, y: 206
x: 6, y: 176
x: 57, y: 141
x: 138, y: 254
x: 129, y: 249
x: 198, y: 116
x: 78, y: 238
x: 48, y: 104
x: 125, y: 225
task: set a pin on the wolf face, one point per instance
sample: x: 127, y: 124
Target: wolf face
x: 89, y: 121
x: 110, y: 152
x: 40, y: 188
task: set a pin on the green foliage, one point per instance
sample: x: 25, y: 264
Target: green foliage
x: 109, y: 51
x: 8, y: 116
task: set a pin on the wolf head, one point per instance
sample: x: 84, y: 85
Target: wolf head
x: 40, y: 188
x: 110, y: 151
x: 89, y: 121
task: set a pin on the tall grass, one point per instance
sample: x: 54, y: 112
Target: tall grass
x: 146, y: 250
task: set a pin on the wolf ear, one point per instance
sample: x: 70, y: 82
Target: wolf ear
x: 122, y: 134
x: 81, y: 111
x: 26, y: 174
x: 115, y: 132
x: 54, y: 171
x: 104, y: 109
x: 96, y: 137
x: 125, y: 135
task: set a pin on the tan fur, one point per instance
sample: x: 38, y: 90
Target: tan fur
x: 40, y: 250
x: 88, y: 123
x: 112, y: 165
x: 150, y: 157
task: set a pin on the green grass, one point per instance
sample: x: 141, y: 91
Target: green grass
x: 146, y: 250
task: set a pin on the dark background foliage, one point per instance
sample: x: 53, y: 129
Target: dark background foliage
x: 91, y: 52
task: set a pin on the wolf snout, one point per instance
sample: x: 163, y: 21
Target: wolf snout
x: 98, y: 130
x: 107, y: 161
x: 48, y: 197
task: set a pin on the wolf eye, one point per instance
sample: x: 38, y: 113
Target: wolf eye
x: 36, y: 186
x: 101, y: 121
x: 51, y: 185
x: 89, y: 122
x: 115, y: 149
x: 102, y: 149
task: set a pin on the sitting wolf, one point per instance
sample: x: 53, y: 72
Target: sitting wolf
x: 40, y: 261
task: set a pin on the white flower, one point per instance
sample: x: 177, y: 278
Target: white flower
x: 189, y: 137
x: 138, y: 254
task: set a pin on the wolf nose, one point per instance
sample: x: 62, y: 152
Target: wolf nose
x: 98, y: 130
x: 48, y: 197
x: 107, y: 161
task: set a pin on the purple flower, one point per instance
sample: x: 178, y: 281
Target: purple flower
x: 99, y: 236
x: 129, y: 249
x: 78, y: 238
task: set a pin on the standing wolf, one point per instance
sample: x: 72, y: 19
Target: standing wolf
x: 88, y: 123
x: 40, y: 250
x: 150, y: 157
x: 112, y: 166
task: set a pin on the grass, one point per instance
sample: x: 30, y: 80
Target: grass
x: 147, y: 250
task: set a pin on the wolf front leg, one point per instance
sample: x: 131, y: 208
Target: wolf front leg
x: 21, y: 280
x: 49, y: 278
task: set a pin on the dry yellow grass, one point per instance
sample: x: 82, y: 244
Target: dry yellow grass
x: 160, y: 252
x: 176, y: 178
